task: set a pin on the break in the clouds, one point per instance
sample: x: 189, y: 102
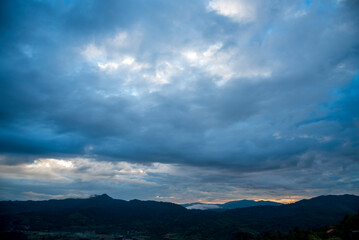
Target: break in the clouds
x: 179, y: 101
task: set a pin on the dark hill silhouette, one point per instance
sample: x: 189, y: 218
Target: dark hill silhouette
x: 103, y: 213
x: 310, y: 213
x: 229, y: 205
x: 11, y: 207
x: 248, y: 203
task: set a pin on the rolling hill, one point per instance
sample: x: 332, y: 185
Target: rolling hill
x: 102, y: 213
x: 229, y: 205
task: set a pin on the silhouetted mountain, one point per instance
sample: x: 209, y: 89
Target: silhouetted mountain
x: 310, y: 213
x: 229, y: 205
x: 11, y: 207
x: 102, y: 213
x: 248, y: 203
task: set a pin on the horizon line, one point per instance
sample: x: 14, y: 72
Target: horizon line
x: 282, y: 201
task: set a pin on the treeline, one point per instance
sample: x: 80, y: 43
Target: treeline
x: 348, y: 229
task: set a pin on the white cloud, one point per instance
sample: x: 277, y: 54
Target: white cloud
x: 223, y: 64
x: 71, y: 170
x: 53, y: 170
x: 40, y: 196
x: 131, y: 64
x: 191, y: 55
x: 50, y: 163
x: 203, y: 206
x: 226, y: 64
x: 120, y: 39
x: 238, y: 10
x: 116, y: 56
x: 128, y: 61
x: 170, y: 197
x: 108, y: 66
x: 213, y: 49
x: 93, y: 53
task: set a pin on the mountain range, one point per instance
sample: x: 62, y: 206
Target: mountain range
x: 229, y: 205
x: 158, y: 219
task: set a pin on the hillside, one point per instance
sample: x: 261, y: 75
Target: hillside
x: 156, y: 219
x: 229, y: 205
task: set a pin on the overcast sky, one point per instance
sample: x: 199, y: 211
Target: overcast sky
x: 181, y: 101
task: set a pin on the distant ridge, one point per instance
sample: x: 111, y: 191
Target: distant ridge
x: 102, y: 196
x: 229, y: 205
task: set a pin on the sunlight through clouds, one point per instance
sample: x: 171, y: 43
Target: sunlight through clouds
x: 241, y: 11
x: 86, y: 170
x: 203, y: 100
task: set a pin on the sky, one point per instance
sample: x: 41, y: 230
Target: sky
x: 181, y: 101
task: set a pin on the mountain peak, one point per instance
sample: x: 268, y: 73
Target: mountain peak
x: 102, y: 196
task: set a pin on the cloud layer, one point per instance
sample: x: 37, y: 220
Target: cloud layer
x: 212, y: 100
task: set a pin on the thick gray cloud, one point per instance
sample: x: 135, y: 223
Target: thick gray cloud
x: 251, y: 99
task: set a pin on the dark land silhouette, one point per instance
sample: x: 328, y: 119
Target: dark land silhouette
x: 103, y: 216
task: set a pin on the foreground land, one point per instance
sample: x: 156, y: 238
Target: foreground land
x: 346, y: 230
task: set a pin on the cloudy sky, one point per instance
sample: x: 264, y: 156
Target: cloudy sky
x: 181, y: 101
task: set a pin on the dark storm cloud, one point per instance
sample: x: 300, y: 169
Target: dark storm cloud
x: 272, y: 90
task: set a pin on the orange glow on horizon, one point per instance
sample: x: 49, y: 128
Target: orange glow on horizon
x: 286, y: 200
